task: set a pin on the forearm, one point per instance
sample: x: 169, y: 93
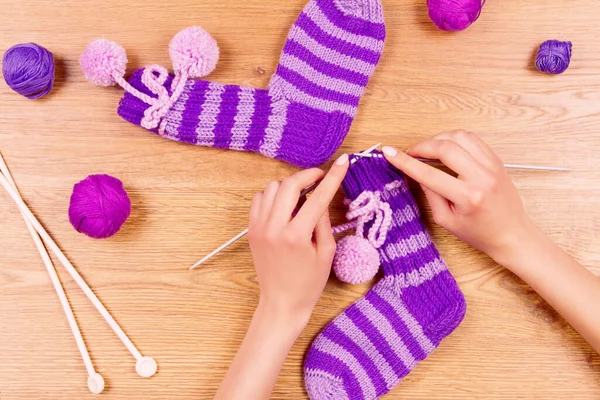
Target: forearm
x: 255, y: 368
x: 571, y: 289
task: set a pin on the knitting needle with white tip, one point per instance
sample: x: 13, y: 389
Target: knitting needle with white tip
x: 145, y: 366
x: 95, y: 381
x: 245, y: 231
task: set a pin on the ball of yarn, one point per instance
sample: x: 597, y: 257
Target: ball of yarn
x: 356, y: 260
x: 554, y: 56
x: 99, y: 206
x: 102, y: 61
x: 454, y: 15
x: 28, y: 69
x: 195, y: 51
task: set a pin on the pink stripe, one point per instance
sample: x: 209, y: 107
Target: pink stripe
x: 386, y: 330
x: 385, y: 291
x: 330, y: 55
x: 325, y: 345
x: 315, y: 13
x: 355, y: 334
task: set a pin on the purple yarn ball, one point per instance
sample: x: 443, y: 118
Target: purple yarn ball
x: 554, y: 56
x: 454, y: 15
x: 99, y: 206
x: 28, y: 69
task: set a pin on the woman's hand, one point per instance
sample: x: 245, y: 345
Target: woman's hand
x: 292, y: 250
x: 293, y: 255
x: 481, y: 205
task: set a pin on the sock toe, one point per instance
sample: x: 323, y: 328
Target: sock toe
x: 323, y: 386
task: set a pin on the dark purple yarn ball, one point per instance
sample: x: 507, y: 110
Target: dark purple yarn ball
x: 28, y: 69
x: 454, y: 15
x: 99, y: 206
x: 554, y: 56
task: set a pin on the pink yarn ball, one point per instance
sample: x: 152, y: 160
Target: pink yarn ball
x: 195, y: 51
x: 356, y: 260
x: 454, y: 15
x: 102, y: 60
x: 99, y: 206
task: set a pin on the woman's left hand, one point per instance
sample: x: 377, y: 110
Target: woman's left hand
x: 293, y: 254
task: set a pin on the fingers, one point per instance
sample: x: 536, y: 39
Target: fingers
x: 473, y: 145
x: 440, y: 208
x: 268, y: 198
x: 323, y: 236
x: 438, y: 181
x: 255, y: 209
x: 289, y: 191
x: 449, y: 153
x: 317, y: 204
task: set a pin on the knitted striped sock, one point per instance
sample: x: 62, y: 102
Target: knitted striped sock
x: 367, y: 350
x: 330, y: 53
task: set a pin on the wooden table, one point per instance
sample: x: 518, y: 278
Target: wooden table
x: 188, y: 200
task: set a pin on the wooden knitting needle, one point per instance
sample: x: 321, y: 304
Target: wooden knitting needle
x: 245, y: 231
x: 145, y: 366
x: 95, y: 381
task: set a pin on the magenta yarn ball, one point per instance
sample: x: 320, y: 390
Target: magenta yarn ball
x: 356, y: 260
x: 454, y: 15
x: 99, y: 206
x: 194, y: 51
x: 102, y: 60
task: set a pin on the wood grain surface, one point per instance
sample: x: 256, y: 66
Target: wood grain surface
x: 188, y: 200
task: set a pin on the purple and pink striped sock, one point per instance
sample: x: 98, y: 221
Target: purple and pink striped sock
x: 303, y: 117
x: 367, y: 350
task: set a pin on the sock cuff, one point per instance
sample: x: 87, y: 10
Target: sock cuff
x: 373, y: 173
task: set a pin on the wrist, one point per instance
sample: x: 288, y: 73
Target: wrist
x: 286, y: 322
x: 528, y: 240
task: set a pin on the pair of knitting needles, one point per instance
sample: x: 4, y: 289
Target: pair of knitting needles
x: 145, y: 366
x: 366, y: 153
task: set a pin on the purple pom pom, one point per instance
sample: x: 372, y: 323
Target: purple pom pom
x: 99, y: 206
x: 554, y: 56
x: 356, y: 260
x: 454, y: 15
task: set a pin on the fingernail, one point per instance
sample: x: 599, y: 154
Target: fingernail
x: 389, y: 151
x: 342, y: 160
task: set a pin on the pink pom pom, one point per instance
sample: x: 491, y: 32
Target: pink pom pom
x: 356, y: 260
x: 193, y: 50
x: 102, y: 60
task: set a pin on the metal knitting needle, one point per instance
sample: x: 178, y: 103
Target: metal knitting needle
x: 245, y: 231
x: 510, y: 166
x: 241, y: 234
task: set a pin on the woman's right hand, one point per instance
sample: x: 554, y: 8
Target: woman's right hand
x: 481, y: 205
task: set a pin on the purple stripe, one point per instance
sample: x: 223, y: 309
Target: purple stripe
x: 318, y: 360
x: 381, y: 342
x: 337, y: 335
x: 399, y: 326
x: 313, y: 30
x: 296, y: 49
x: 226, y: 119
x: 306, y: 86
x: 351, y: 24
x: 444, y: 296
x: 260, y: 120
x: 411, y: 263
x: 193, y: 108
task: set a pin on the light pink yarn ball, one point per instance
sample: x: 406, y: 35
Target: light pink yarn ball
x: 356, y: 260
x: 195, y: 51
x: 102, y: 60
